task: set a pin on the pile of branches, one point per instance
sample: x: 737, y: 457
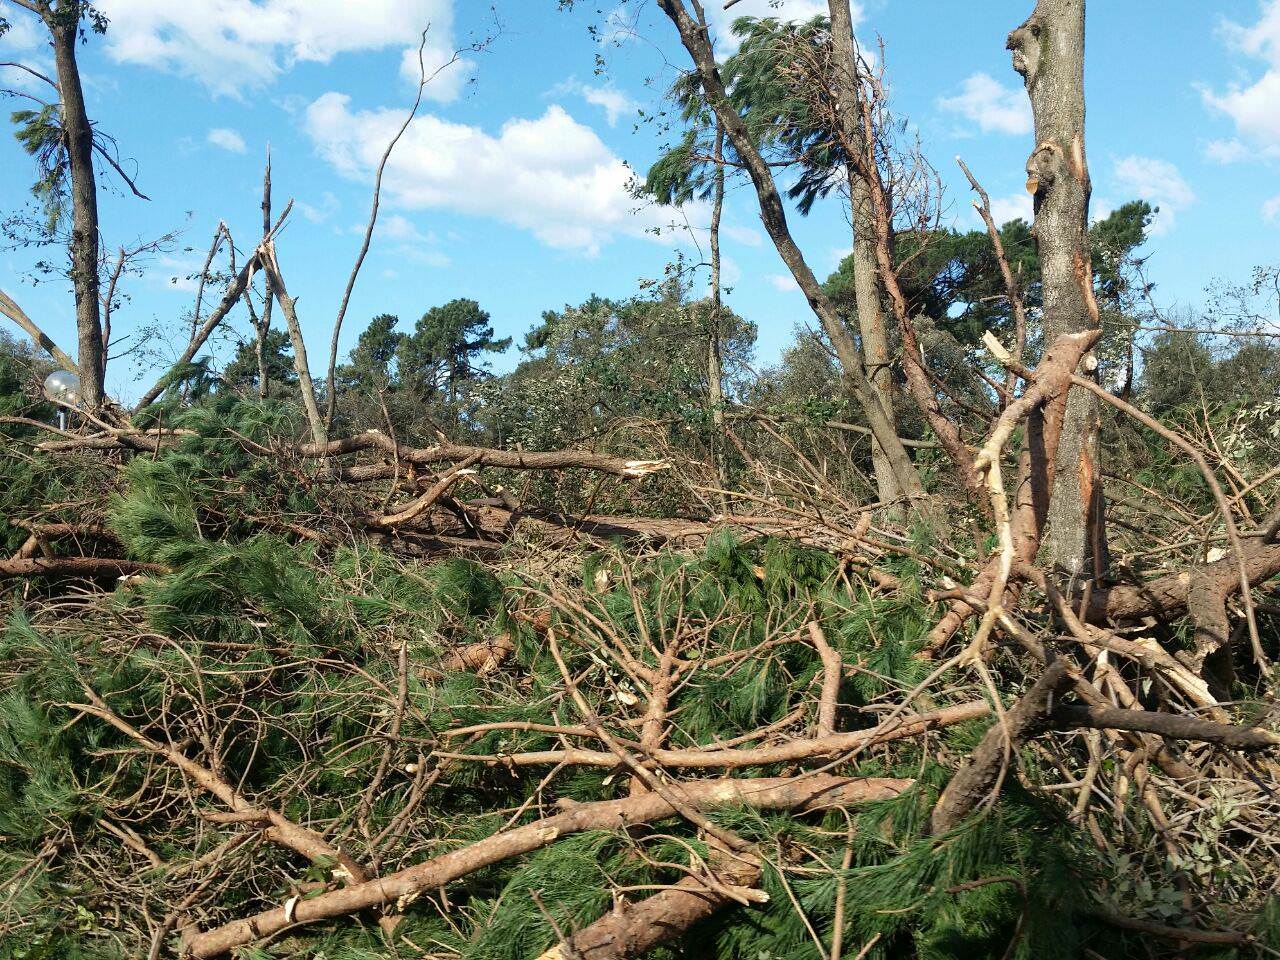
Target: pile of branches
x: 275, y: 697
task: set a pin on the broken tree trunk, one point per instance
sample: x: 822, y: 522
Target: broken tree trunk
x: 1048, y: 51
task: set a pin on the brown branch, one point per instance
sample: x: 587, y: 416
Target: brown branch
x: 1171, y: 725
x: 437, y: 490
x: 780, y: 793
x: 280, y: 829
x: 634, y: 930
x: 801, y: 749
x: 830, y: 680
x: 74, y: 567
x: 1205, y: 601
x: 975, y: 781
x: 15, y: 313
x: 484, y: 456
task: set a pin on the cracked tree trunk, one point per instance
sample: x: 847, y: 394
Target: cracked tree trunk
x: 866, y: 286
x: 1048, y: 50
x: 694, y: 37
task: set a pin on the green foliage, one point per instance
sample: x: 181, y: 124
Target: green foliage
x: 446, y: 348
x: 39, y: 132
x: 243, y: 371
x: 371, y: 363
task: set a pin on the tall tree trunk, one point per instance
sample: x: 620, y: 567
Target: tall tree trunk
x: 696, y: 41
x: 264, y: 327
x: 866, y: 288
x: 64, y: 25
x: 1048, y: 50
x: 715, y: 371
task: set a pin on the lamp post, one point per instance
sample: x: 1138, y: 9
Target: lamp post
x: 62, y: 386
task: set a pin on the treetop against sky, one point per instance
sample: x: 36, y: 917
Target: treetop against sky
x: 513, y: 185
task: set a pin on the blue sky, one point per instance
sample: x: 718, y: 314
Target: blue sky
x: 510, y: 187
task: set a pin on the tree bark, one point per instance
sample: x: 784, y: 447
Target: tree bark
x: 866, y: 288
x: 1048, y: 50
x: 698, y: 44
x: 635, y: 930
x: 264, y: 327
x: 976, y: 780
x: 820, y: 791
x: 64, y: 26
x: 267, y: 255
x: 715, y: 371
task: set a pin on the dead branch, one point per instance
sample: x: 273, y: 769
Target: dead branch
x: 279, y: 828
x: 974, y: 782
x: 74, y: 567
x: 1172, y: 725
x: 15, y: 313
x: 782, y: 793
x: 633, y: 930
x: 909, y: 725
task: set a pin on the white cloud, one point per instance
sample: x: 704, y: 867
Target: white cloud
x: 722, y: 20
x: 730, y: 272
x: 1012, y: 207
x: 427, y: 256
x: 321, y: 212
x: 551, y: 175
x: 24, y: 33
x: 395, y: 227
x: 611, y: 100
x: 1159, y: 183
x: 994, y: 108
x: 782, y: 281
x: 226, y: 139
x: 1271, y: 210
x: 1253, y: 106
x: 26, y: 42
x: 1227, y: 151
x: 234, y: 45
x: 411, y: 243
x: 620, y: 25
x: 743, y: 235
x: 175, y: 273
x: 607, y: 97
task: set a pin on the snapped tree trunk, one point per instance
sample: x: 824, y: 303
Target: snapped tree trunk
x: 263, y: 328
x: 64, y: 26
x: 1048, y: 50
x: 693, y: 36
x: 267, y: 255
x: 866, y: 288
x: 715, y: 371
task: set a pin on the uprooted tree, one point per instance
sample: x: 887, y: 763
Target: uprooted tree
x: 631, y: 651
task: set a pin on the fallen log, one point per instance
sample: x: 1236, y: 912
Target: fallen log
x: 74, y: 567
x: 483, y: 456
x: 778, y: 793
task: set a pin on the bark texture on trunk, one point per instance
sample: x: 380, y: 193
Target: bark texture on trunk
x: 83, y: 246
x: 715, y: 368
x: 693, y: 36
x: 866, y: 288
x: 1048, y: 50
x: 306, y: 387
x: 264, y: 326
